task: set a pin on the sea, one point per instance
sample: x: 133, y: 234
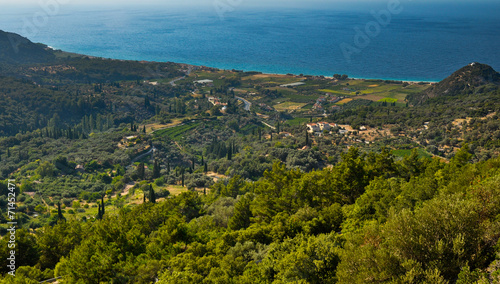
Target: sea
x: 392, y: 40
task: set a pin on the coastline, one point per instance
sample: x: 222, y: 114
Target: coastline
x: 405, y: 80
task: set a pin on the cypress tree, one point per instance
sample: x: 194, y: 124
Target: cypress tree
x: 152, y: 197
x: 182, y: 179
x: 206, y: 167
x: 99, y: 213
x: 144, y: 129
x: 156, y: 169
x: 102, y: 202
x: 140, y: 170
x: 59, y: 211
x: 144, y: 197
x: 307, y: 138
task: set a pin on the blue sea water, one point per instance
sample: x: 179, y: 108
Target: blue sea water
x: 416, y: 44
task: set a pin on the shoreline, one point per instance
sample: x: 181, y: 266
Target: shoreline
x: 410, y: 81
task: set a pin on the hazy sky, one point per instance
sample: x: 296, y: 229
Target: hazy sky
x: 231, y: 2
x: 474, y: 8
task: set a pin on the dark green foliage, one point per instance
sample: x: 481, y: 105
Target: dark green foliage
x: 141, y: 171
x: 152, y: 195
x: 19, y: 50
x: 338, y: 211
x: 59, y: 212
x: 156, y: 169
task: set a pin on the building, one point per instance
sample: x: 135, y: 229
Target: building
x: 216, y: 101
x: 204, y: 82
x: 317, y: 106
x: 333, y: 100
x: 312, y: 127
x: 320, y: 126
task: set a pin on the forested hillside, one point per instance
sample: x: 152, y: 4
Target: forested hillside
x: 15, y: 49
x: 368, y: 219
x: 144, y: 172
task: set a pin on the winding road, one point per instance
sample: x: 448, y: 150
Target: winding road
x: 248, y: 104
x: 190, y: 69
x: 141, y: 156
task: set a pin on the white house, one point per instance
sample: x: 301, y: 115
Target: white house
x: 312, y: 127
x: 206, y: 81
x: 320, y: 126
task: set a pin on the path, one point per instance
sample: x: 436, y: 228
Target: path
x: 179, y: 146
x: 247, y: 103
x: 141, y: 156
x: 268, y: 125
x: 190, y: 69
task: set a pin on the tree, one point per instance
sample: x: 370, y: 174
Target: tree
x: 99, y: 212
x: 46, y: 169
x: 59, y: 211
x: 102, y: 202
x: 351, y: 176
x: 57, y: 241
x: 156, y: 169
x: 152, y: 196
x: 182, y: 178
x: 242, y: 214
x: 140, y: 170
x: 462, y: 156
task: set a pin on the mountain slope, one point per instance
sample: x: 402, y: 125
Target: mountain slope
x: 15, y: 49
x: 465, y: 80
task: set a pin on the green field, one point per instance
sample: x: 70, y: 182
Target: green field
x: 342, y: 93
x: 289, y: 106
x: 298, y: 121
x: 388, y: 100
x: 175, y: 133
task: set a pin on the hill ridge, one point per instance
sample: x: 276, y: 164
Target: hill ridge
x: 464, y: 80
